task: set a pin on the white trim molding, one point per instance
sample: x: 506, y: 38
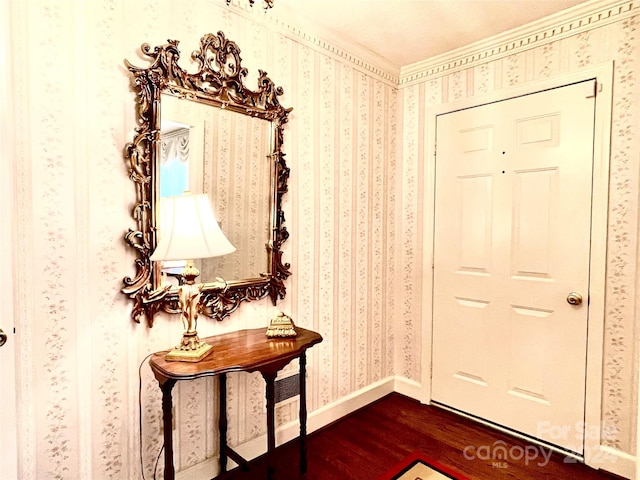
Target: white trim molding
x: 8, y: 245
x: 289, y: 23
x: 572, y: 21
x: 615, y: 461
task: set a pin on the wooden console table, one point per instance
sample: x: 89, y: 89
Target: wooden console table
x: 242, y: 351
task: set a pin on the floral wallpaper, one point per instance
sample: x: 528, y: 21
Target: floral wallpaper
x: 88, y: 404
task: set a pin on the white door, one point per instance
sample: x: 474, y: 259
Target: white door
x: 512, y: 244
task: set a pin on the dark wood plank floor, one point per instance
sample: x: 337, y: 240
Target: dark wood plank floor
x: 367, y: 443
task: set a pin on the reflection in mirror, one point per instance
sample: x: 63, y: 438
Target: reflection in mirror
x: 206, y: 132
x: 197, y: 155
x: 174, y: 172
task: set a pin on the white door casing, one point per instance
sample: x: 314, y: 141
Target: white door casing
x: 8, y: 434
x: 593, y: 390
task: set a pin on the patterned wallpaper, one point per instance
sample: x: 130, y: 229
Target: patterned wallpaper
x: 354, y: 213
x: 80, y: 370
x: 609, y: 34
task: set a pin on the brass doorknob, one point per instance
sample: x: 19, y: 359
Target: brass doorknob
x: 3, y: 338
x: 574, y: 298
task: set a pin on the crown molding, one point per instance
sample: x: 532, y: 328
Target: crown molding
x: 361, y: 60
x: 569, y: 22
x: 286, y: 21
x: 575, y: 20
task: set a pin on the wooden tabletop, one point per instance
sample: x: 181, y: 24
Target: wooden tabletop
x: 241, y: 351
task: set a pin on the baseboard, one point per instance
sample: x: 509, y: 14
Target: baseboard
x: 317, y: 419
x: 202, y: 471
x: 408, y: 388
x: 614, y: 461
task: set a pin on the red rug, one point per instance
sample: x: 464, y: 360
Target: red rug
x: 420, y: 467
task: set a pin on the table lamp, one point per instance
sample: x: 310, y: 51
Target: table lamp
x: 189, y: 230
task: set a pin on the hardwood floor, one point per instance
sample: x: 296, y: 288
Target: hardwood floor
x: 370, y: 441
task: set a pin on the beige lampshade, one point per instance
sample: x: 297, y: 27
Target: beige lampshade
x: 188, y: 230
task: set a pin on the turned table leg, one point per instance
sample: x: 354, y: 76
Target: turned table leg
x: 167, y: 423
x: 270, y: 379
x: 303, y: 413
x: 222, y: 422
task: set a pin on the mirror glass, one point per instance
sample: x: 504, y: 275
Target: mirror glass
x: 197, y: 156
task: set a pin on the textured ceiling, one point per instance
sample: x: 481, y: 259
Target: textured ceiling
x: 403, y: 32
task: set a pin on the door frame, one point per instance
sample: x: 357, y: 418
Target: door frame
x: 603, y: 74
x: 8, y: 432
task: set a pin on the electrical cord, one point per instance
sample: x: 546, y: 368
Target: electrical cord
x: 155, y: 468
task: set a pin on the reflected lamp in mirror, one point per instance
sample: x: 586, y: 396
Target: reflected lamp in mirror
x: 188, y: 230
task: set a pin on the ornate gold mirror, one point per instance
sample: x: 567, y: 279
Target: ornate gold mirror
x: 206, y: 132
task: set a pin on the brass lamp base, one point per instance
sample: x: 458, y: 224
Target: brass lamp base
x: 191, y: 349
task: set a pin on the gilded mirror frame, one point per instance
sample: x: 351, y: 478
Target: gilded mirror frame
x: 219, y: 82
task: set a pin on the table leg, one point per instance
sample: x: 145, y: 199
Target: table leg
x: 303, y: 413
x: 167, y: 423
x: 270, y: 379
x: 222, y: 422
